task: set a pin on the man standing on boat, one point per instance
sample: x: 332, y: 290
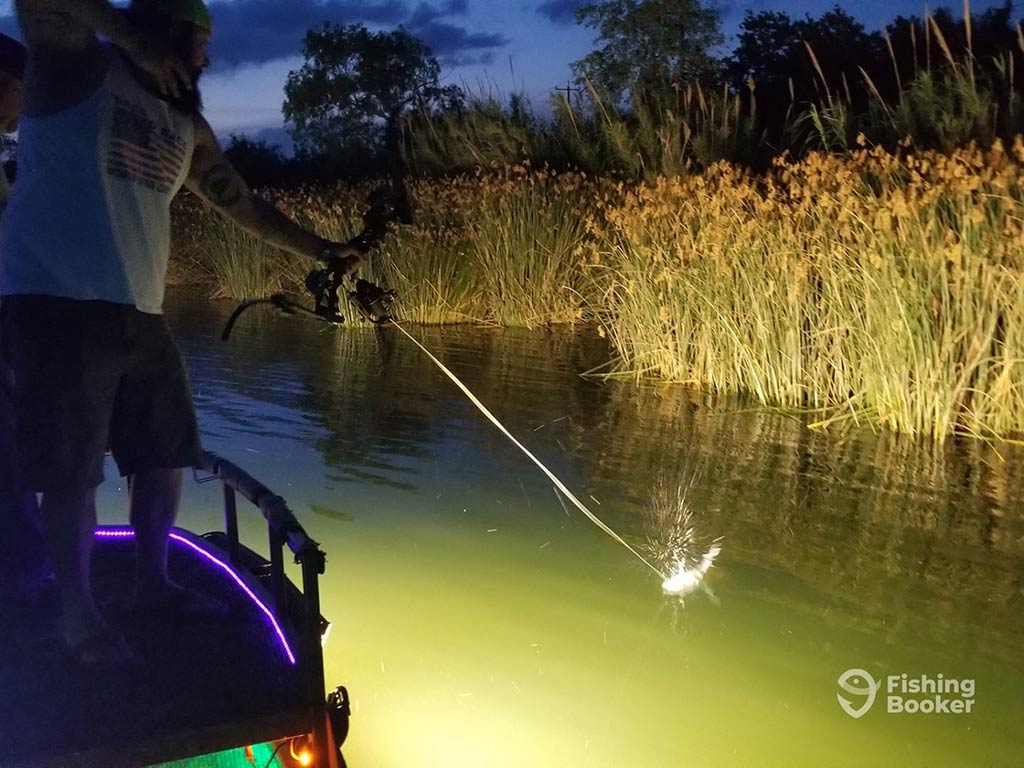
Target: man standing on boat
x: 109, y: 133
x: 25, y: 570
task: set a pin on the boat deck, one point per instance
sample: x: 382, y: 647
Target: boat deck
x: 198, y: 685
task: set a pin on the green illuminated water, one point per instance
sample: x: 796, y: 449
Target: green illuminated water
x: 479, y: 622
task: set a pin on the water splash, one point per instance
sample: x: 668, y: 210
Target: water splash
x: 675, y: 543
x: 687, y: 578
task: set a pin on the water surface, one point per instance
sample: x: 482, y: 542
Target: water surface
x: 481, y: 621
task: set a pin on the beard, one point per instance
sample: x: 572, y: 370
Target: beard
x: 189, y: 102
x: 179, y: 36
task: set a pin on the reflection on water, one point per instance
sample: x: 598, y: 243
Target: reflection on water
x: 478, y: 621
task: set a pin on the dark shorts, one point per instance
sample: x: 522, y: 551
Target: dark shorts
x: 93, y: 374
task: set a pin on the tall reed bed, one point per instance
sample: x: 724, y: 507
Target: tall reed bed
x: 873, y: 287
x: 880, y: 288
x: 500, y: 248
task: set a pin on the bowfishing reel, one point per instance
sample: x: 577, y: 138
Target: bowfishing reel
x: 373, y: 303
x: 325, y: 285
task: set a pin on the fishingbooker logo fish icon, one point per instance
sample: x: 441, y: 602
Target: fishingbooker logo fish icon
x: 850, y: 681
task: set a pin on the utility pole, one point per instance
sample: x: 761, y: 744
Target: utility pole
x: 569, y: 90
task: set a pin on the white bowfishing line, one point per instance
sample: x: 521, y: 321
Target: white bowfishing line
x: 683, y: 576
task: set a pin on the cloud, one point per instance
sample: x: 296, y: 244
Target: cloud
x: 560, y: 11
x: 253, y: 32
x: 256, y: 31
x: 426, y: 13
x: 484, y: 59
x: 452, y: 45
x: 448, y: 41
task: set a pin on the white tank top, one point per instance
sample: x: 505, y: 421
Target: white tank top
x: 89, y: 217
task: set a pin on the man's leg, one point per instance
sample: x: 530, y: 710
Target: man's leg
x: 154, y: 496
x: 24, y: 564
x: 25, y: 567
x: 36, y: 568
x: 152, y: 430
x: 69, y: 519
x: 64, y: 355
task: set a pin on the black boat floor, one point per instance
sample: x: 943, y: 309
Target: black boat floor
x: 197, y: 685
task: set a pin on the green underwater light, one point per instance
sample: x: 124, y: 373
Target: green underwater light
x: 259, y: 755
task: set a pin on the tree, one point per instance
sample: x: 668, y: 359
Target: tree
x: 653, y: 47
x: 259, y: 163
x: 917, y: 47
x: 773, y: 49
x: 910, y: 70
x: 774, y: 52
x: 767, y: 44
x: 349, y: 95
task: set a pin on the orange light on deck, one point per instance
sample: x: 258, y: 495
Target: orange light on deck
x: 304, y: 757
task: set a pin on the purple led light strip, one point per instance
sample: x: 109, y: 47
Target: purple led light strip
x: 126, y: 533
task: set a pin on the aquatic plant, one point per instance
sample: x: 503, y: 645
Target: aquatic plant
x: 500, y: 248
x: 878, y: 287
x: 874, y: 287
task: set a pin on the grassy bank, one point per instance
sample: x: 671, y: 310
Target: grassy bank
x: 872, y: 286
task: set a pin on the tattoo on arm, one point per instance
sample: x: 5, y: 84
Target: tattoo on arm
x: 218, y: 185
x: 213, y: 178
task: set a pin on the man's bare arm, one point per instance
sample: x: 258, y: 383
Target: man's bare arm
x: 215, y: 180
x: 73, y: 24
x: 70, y: 27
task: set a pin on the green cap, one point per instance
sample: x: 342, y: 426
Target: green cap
x: 193, y: 11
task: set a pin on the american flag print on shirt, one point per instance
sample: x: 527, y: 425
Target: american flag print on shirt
x: 142, y: 152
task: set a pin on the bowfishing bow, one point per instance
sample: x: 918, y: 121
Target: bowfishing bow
x: 387, y: 205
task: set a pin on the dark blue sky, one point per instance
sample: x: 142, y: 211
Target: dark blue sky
x: 483, y: 45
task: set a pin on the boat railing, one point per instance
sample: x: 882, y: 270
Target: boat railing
x: 283, y: 530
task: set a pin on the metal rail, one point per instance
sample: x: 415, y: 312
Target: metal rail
x: 282, y: 529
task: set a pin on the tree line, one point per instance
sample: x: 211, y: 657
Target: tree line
x: 362, y: 98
